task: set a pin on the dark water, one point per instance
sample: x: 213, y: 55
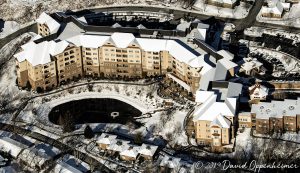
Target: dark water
x: 95, y: 111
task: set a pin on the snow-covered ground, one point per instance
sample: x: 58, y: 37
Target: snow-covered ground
x: 9, y: 27
x: 258, y: 31
x: 135, y: 95
x: 9, y: 91
x: 290, y: 64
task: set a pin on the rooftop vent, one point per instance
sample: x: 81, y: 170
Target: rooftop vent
x: 291, y: 107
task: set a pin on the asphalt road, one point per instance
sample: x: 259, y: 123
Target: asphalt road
x: 248, y: 21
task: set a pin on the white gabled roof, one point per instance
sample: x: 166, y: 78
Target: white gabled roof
x: 64, y: 167
x: 119, y: 145
x: 123, y: 40
x: 170, y: 162
x: 148, y: 150
x: 116, y: 25
x: 220, y: 121
x: 275, y: 7
x: 52, y: 24
x: 259, y: 90
x: 131, y: 151
x: 203, y: 96
x: 210, y: 110
x: 106, y: 139
x: 41, y: 53
x: 140, y: 26
x: 82, y: 19
x: 225, y: 1
x: 11, y: 146
x: 226, y: 54
x: 89, y: 41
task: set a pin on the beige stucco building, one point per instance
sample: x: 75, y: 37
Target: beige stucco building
x: 46, y: 25
x: 276, y: 116
x: 213, y: 121
x: 49, y: 64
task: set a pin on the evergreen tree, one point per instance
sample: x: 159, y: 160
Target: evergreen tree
x: 68, y: 122
x: 88, y: 132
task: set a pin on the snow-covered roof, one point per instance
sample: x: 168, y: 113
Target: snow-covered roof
x: 265, y: 110
x: 148, y: 150
x: 106, y: 139
x: 203, y: 96
x: 200, y: 33
x: 89, y: 41
x: 220, y: 121
x: 225, y: 1
x: 234, y: 89
x: 170, y: 162
x: 250, y: 64
x: 210, y: 110
x: 82, y: 19
x: 39, y: 154
x: 116, y: 25
x: 227, y: 63
x: 63, y: 167
x: 222, y: 68
x: 130, y: 151
x: 183, y: 26
x: 258, y: 90
x: 119, y: 145
x: 123, y: 40
x: 40, y: 53
x: 275, y: 7
x: 140, y: 26
x: 226, y: 54
x: 52, y: 24
x: 11, y: 146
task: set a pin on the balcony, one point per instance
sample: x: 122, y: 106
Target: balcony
x: 45, y: 66
x: 66, y: 53
x: 47, y: 76
x: 66, y: 59
x: 46, y: 71
x: 67, y: 63
x: 71, y: 51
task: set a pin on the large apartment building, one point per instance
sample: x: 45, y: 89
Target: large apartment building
x: 213, y: 120
x: 52, y: 63
x: 276, y: 116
